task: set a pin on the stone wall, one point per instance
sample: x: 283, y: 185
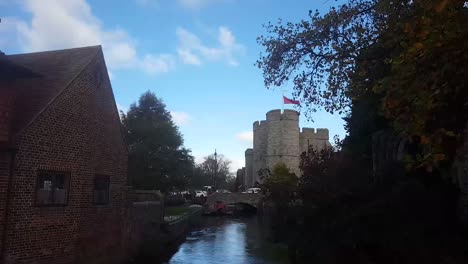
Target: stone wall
x: 249, y: 160
x: 310, y: 138
x: 388, y: 150
x: 143, y: 221
x: 259, y: 151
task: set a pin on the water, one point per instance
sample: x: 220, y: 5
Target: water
x: 229, y: 241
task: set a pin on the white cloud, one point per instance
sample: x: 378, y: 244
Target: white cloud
x: 180, y: 118
x: 188, y: 57
x: 198, y: 4
x: 237, y: 163
x: 245, y: 137
x: 147, y: 3
x: 122, y: 108
x: 8, y: 32
x: 193, y: 51
x: 111, y: 75
x: 58, y: 24
x: 163, y: 63
x: 199, y: 159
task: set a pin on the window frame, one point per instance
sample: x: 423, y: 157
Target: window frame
x: 66, y: 174
x: 108, y: 201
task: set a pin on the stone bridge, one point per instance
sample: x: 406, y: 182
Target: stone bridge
x: 252, y: 199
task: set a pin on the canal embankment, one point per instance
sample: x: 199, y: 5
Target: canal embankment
x: 160, y: 239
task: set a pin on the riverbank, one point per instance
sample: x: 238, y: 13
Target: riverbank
x: 172, y: 233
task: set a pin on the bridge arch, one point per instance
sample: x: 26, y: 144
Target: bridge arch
x: 251, y: 199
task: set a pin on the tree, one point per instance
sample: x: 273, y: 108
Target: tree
x: 217, y: 170
x: 199, y: 178
x: 329, y: 175
x: 157, y: 158
x: 280, y: 184
x: 401, y: 60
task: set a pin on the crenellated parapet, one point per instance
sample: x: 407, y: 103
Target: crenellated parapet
x: 320, y: 133
x: 273, y: 115
x: 259, y: 125
x: 276, y: 115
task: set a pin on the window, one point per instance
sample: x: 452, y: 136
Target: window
x: 52, y: 188
x: 101, y: 189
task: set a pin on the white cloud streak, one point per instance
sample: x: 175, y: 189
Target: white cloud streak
x: 245, y: 137
x: 163, y: 63
x: 181, y: 118
x: 237, y: 163
x: 198, y: 4
x: 191, y: 49
x: 147, y: 3
x: 58, y: 24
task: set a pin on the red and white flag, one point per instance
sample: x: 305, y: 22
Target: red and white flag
x: 289, y: 101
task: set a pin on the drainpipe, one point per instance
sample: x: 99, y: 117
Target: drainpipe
x: 12, y: 152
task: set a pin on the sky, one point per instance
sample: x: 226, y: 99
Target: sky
x: 196, y: 55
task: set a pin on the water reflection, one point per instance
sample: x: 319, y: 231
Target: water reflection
x: 228, y: 240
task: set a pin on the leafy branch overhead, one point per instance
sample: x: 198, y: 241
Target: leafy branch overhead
x: 408, y: 56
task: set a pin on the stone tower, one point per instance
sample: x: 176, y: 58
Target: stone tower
x: 279, y: 139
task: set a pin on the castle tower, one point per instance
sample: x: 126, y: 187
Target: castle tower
x: 283, y: 139
x: 260, y: 143
x: 279, y: 139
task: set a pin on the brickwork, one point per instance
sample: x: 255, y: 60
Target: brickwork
x: 5, y: 159
x: 6, y: 103
x: 80, y: 133
x: 279, y: 139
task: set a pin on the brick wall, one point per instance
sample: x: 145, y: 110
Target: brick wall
x: 79, y: 133
x: 4, y: 176
x: 6, y: 104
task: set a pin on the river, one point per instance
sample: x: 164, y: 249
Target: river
x: 229, y: 241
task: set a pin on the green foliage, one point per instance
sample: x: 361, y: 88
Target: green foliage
x: 212, y: 172
x: 431, y: 66
x: 329, y: 175
x: 199, y: 178
x: 157, y: 158
x: 280, y: 184
x: 388, y: 63
x: 319, y: 54
x: 281, y: 178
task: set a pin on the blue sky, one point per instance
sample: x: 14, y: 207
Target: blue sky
x: 197, y: 55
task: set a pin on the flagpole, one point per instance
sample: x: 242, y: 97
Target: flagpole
x: 282, y: 101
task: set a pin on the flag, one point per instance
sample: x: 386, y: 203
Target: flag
x: 289, y: 101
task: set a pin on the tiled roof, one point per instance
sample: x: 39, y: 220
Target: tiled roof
x: 38, y: 78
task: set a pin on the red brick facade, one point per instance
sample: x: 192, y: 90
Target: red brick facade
x: 79, y: 132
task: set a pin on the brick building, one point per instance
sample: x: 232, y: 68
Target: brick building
x: 63, y: 160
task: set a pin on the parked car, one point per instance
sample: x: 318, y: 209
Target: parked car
x: 253, y: 190
x: 222, y: 191
x: 200, y: 194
